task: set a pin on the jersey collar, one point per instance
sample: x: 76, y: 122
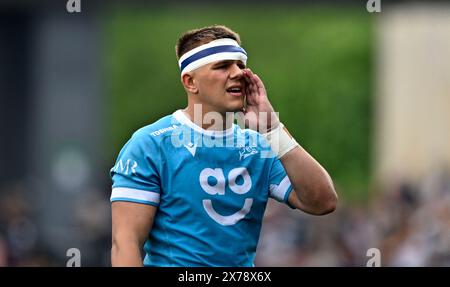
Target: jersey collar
x: 183, y: 119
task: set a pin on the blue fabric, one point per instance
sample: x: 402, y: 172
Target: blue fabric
x: 212, y: 194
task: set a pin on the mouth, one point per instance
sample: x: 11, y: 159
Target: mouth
x: 235, y: 91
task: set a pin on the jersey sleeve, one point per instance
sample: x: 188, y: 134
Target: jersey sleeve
x: 135, y: 175
x: 279, y: 184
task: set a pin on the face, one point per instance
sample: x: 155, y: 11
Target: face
x: 220, y: 86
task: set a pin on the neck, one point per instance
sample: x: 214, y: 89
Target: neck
x: 208, y: 118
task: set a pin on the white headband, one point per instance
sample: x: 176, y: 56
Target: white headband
x: 217, y: 50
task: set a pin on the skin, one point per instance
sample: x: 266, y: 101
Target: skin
x: 313, y: 193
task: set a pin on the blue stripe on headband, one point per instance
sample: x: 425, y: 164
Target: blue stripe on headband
x: 210, y: 51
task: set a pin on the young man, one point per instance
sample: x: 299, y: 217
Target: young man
x: 191, y: 188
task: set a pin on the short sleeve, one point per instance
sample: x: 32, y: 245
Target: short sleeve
x: 279, y: 184
x: 135, y: 175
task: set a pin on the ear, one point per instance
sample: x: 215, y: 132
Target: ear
x: 189, y: 84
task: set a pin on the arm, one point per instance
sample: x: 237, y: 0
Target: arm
x: 131, y: 224
x: 314, y: 190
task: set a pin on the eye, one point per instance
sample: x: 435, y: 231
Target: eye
x: 220, y: 66
x: 226, y: 65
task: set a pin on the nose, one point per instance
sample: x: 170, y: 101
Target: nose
x: 236, y: 72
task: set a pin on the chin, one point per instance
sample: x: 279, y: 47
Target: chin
x: 236, y: 108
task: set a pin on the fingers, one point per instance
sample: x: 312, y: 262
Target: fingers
x: 259, y: 84
x: 249, y: 87
x: 250, y: 83
x: 254, y: 83
x: 247, y: 79
x: 248, y: 76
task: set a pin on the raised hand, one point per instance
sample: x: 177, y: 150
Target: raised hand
x: 258, y: 111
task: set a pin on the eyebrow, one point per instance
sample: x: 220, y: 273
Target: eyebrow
x: 224, y: 62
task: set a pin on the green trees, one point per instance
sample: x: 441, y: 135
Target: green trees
x: 315, y: 63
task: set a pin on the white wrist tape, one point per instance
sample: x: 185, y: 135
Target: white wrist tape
x: 280, y: 140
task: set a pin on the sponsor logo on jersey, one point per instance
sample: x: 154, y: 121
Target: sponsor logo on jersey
x: 246, y: 152
x: 191, y: 148
x: 163, y: 130
x: 126, y: 168
x: 218, y: 190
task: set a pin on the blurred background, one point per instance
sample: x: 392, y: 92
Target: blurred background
x: 367, y: 94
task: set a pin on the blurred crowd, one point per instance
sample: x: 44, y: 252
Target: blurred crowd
x: 409, y: 223
x: 19, y: 243
x: 23, y: 241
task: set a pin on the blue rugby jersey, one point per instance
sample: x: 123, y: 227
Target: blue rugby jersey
x: 210, y: 189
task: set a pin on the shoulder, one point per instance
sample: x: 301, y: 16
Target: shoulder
x: 150, y: 136
x: 154, y: 131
